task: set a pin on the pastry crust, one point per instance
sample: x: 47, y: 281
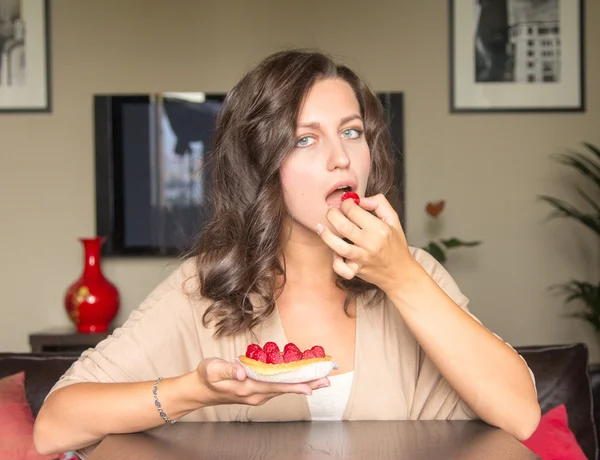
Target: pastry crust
x: 269, y: 369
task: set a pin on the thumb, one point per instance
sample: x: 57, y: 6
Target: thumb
x: 382, y: 209
x: 232, y: 371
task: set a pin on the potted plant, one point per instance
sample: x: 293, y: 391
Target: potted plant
x: 584, y: 293
x: 438, y: 247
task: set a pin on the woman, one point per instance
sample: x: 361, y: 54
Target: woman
x: 282, y: 260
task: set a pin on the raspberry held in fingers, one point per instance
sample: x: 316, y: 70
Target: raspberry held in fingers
x: 351, y: 195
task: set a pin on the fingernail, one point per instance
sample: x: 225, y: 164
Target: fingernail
x: 323, y: 385
x: 320, y: 229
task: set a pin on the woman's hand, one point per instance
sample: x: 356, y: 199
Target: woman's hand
x: 224, y: 382
x: 380, y: 251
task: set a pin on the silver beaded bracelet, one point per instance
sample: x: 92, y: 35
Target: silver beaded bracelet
x: 157, y: 402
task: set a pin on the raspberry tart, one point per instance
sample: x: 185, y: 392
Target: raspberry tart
x: 290, y: 365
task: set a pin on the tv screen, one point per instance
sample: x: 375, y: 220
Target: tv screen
x: 149, y: 156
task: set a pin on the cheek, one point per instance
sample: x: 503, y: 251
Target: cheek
x: 294, y: 180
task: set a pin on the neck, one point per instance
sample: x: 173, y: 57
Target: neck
x: 308, y: 260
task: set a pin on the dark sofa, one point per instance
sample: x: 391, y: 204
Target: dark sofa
x: 562, y: 376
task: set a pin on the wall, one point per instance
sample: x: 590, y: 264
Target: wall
x: 488, y: 167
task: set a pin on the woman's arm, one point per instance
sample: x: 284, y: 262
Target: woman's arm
x: 81, y: 414
x: 484, y: 371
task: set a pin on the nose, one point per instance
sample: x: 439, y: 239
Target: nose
x: 338, y: 157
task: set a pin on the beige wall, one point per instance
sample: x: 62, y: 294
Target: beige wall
x: 488, y: 167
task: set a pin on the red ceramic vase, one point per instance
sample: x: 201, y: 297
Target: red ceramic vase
x: 92, y: 301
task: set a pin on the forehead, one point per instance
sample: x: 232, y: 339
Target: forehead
x: 330, y: 97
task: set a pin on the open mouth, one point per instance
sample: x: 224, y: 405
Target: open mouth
x: 334, y: 198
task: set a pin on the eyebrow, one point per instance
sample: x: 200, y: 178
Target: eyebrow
x: 315, y: 125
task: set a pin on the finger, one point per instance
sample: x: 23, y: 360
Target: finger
x: 339, y: 246
x: 319, y: 383
x: 345, y: 226
x: 301, y: 388
x: 346, y: 269
x: 297, y: 388
x: 219, y: 369
x: 382, y: 208
x: 252, y: 386
x: 352, y: 265
x: 358, y: 215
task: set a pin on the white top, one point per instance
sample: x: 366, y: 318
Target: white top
x: 329, y: 403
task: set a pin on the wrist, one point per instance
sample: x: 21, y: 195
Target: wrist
x: 411, y: 286
x: 193, y: 389
x: 178, y: 395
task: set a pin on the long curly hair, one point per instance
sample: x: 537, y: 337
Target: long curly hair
x: 240, y: 249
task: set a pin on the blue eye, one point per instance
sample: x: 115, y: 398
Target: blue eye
x: 305, y: 141
x: 352, y: 133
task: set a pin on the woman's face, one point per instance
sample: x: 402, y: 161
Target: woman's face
x: 330, y: 152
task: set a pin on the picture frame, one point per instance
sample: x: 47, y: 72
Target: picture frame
x: 517, y: 56
x: 25, y: 56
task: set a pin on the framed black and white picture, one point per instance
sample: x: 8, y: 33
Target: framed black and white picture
x: 24, y: 56
x: 516, y: 55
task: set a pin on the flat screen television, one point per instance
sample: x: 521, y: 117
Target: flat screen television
x: 149, y: 175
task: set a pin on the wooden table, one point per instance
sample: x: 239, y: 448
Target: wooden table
x: 426, y: 440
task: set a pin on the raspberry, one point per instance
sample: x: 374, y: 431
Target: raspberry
x: 260, y: 355
x: 251, y: 350
x: 308, y: 354
x: 274, y: 357
x: 319, y: 351
x: 290, y: 355
x: 291, y: 346
x: 352, y: 195
x: 270, y: 346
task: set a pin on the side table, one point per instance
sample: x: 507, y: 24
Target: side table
x: 64, y: 339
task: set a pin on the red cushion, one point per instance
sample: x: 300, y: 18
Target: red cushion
x: 16, y: 421
x: 553, y: 440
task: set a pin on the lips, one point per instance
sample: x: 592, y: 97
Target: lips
x: 349, y: 184
x: 336, y: 191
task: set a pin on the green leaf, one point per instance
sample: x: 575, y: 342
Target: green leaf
x: 436, y: 251
x: 586, y: 316
x: 582, y: 164
x: 595, y: 206
x: 593, y: 149
x: 455, y: 243
x: 564, y: 209
x: 586, y: 294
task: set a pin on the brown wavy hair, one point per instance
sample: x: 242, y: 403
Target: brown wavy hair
x: 240, y: 249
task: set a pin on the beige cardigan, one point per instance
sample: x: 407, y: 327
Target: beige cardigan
x: 393, y: 379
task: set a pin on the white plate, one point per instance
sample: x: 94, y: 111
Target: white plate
x: 306, y: 373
